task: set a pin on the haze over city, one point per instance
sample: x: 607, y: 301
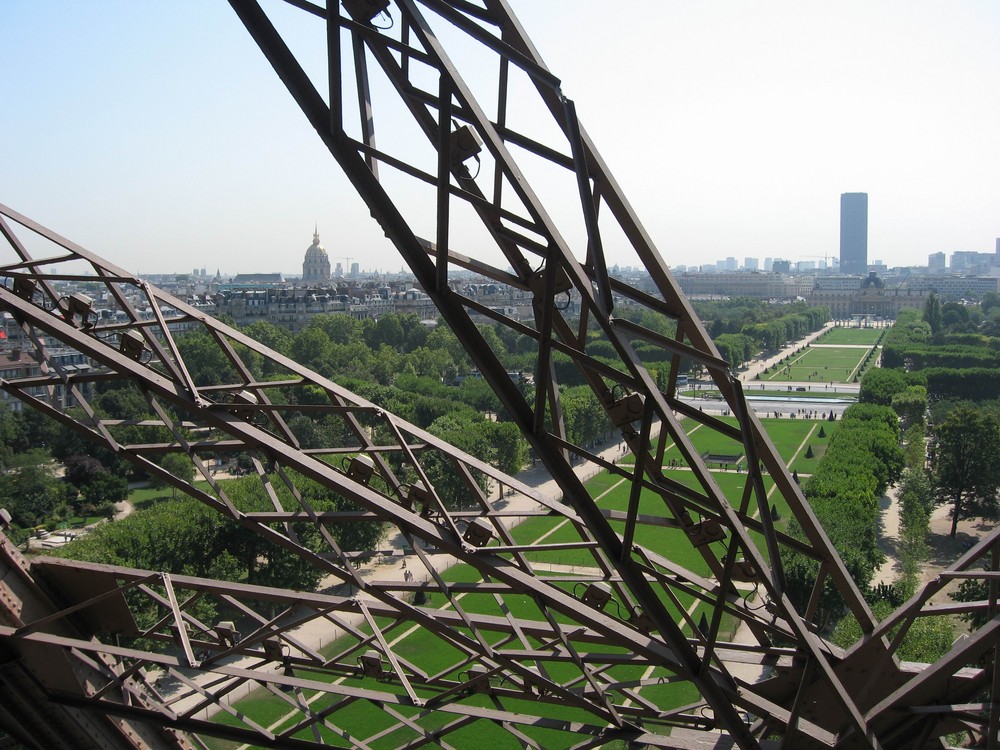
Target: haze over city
x: 158, y: 136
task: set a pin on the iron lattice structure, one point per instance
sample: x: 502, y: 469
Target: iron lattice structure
x: 624, y: 644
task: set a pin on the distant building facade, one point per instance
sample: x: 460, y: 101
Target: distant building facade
x: 744, y: 284
x: 854, y: 233
x: 17, y: 363
x: 849, y: 296
x: 968, y: 261
x: 246, y: 279
x: 294, y: 308
x: 957, y: 287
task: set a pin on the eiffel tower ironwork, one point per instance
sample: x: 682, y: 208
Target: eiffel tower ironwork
x: 449, y: 125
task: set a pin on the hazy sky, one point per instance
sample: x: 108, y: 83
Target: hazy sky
x: 156, y: 135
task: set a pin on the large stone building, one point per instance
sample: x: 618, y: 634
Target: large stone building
x: 852, y: 296
x: 316, y: 266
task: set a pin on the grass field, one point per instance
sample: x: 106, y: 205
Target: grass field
x: 791, y: 439
x: 144, y: 497
x: 819, y: 365
x: 851, y: 336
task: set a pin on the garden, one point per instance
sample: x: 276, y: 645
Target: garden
x: 794, y: 440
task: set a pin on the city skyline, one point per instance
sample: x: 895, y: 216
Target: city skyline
x: 160, y: 138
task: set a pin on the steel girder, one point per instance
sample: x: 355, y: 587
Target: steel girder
x: 550, y: 655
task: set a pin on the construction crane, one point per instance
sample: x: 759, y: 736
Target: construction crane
x: 519, y: 649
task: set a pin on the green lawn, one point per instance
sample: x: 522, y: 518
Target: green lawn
x: 806, y: 466
x: 851, y: 336
x: 144, y: 497
x: 818, y: 365
x: 438, y: 656
x: 76, y: 522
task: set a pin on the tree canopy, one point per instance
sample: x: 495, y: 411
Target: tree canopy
x: 967, y: 463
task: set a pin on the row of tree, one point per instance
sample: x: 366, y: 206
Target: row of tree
x: 863, y: 457
x: 938, y: 337
x: 771, y: 335
x: 941, y: 387
x: 965, y: 440
x: 738, y: 314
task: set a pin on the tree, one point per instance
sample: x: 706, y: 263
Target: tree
x: 386, y: 331
x: 312, y: 348
x: 932, y: 313
x: 352, y: 359
x: 184, y: 535
x: 105, y: 490
x: 510, y: 448
x: 880, y: 386
x: 32, y: 494
x: 385, y: 364
x: 974, y: 590
x: 914, y: 520
x: 478, y: 394
x: 954, y: 317
x: 583, y: 415
x: 464, y: 431
x: 275, y: 337
x: 911, y: 404
x: 270, y: 335
x: 37, y: 430
x: 927, y: 640
x: 124, y: 401
x: 204, y: 359
x: 340, y: 327
x: 967, y: 463
x: 989, y: 301
x: 11, y: 430
x: 81, y: 470
x: 177, y: 465
x: 443, y: 338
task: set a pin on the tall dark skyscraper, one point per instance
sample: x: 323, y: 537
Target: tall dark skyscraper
x: 854, y: 233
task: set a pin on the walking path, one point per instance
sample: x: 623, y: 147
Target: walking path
x: 942, y: 548
x: 889, y: 537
